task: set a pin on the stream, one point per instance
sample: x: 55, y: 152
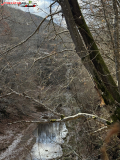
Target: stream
x: 49, y: 138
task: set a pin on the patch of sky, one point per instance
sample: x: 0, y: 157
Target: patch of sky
x: 42, y: 9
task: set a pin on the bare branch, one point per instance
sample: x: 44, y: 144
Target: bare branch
x: 41, y: 58
x: 65, y: 119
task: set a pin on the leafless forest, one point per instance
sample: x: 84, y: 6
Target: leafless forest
x: 60, y: 81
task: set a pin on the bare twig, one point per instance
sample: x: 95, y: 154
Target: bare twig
x: 58, y: 34
x: 99, y: 130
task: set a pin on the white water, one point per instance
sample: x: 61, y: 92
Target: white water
x: 49, y: 138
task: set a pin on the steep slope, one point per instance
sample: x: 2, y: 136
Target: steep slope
x: 20, y: 72
x: 45, y: 68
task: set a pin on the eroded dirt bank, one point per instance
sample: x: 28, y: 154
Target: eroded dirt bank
x: 16, y: 140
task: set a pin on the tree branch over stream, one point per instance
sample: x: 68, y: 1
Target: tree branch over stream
x: 62, y: 119
x: 65, y: 119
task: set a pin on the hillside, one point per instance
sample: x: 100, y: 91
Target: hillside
x: 59, y: 82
